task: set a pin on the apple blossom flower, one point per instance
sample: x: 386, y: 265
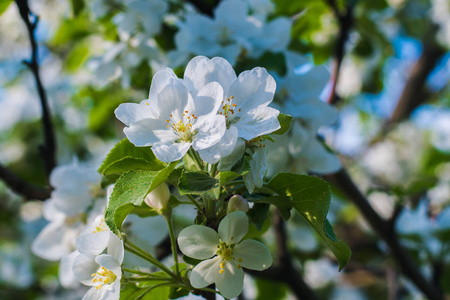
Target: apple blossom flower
x: 224, y: 254
x: 67, y: 209
x: 244, y: 104
x: 141, y: 14
x: 103, y: 272
x: 172, y: 121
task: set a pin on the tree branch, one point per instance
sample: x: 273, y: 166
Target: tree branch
x: 283, y: 269
x: 204, y: 6
x: 21, y: 187
x: 345, y: 24
x: 343, y: 181
x: 47, y: 150
x: 414, y: 93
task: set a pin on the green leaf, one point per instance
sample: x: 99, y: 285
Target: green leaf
x: 77, y: 56
x: 4, y: 4
x: 130, y: 191
x: 77, y: 6
x: 285, y: 123
x: 283, y: 203
x: 311, y: 197
x: 258, y: 215
x: 197, y: 183
x: 126, y: 157
x: 227, y: 177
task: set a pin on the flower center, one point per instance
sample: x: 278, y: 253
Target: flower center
x: 229, y: 109
x: 103, y: 276
x: 101, y: 226
x: 225, y: 252
x: 183, y: 127
x: 256, y: 142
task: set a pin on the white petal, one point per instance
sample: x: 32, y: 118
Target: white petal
x: 254, y: 255
x: 199, y: 242
x: 200, y: 71
x: 231, y: 281
x: 257, y: 122
x: 171, y: 152
x: 115, y: 247
x: 93, y: 243
x: 203, y: 274
x: 112, y: 292
x: 148, y: 132
x: 222, y: 149
x: 110, y: 263
x: 49, y: 244
x: 208, y: 99
x: 66, y: 276
x: 252, y: 89
x: 227, y: 162
x: 172, y: 99
x: 233, y: 227
x: 83, y: 267
x: 159, y: 81
x: 132, y: 112
x: 319, y: 159
x: 93, y: 294
x: 210, y: 130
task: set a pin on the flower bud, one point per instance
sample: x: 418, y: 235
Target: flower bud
x: 158, y: 199
x: 237, y: 202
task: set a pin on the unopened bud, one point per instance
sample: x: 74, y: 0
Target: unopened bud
x: 158, y: 199
x: 237, y: 202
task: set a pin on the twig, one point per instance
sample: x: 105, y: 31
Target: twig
x: 47, y: 150
x: 345, y: 24
x: 343, y: 181
x: 283, y: 269
x: 22, y: 187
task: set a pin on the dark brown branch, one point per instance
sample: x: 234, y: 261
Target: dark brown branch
x: 343, y: 181
x: 21, y: 187
x: 204, y: 6
x: 414, y: 93
x: 48, y: 150
x: 283, y: 269
x: 345, y: 24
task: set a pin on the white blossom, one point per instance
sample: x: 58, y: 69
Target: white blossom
x: 224, y: 254
x: 172, y: 121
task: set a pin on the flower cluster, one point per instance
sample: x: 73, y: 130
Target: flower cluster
x: 234, y: 31
x: 211, y: 110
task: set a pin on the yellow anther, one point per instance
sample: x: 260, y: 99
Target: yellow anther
x: 222, y: 265
x: 239, y: 110
x: 221, y: 271
x: 170, y: 115
x: 186, y: 111
x: 98, y: 287
x: 239, y: 266
x: 234, y: 105
x: 231, y: 97
x: 146, y: 103
x: 239, y: 260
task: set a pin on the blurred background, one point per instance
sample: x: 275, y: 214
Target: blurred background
x: 387, y: 71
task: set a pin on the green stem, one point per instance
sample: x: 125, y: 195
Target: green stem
x: 148, y: 257
x: 139, y: 279
x: 213, y: 170
x: 196, y: 158
x: 135, y: 271
x: 168, y: 219
x: 194, y: 202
